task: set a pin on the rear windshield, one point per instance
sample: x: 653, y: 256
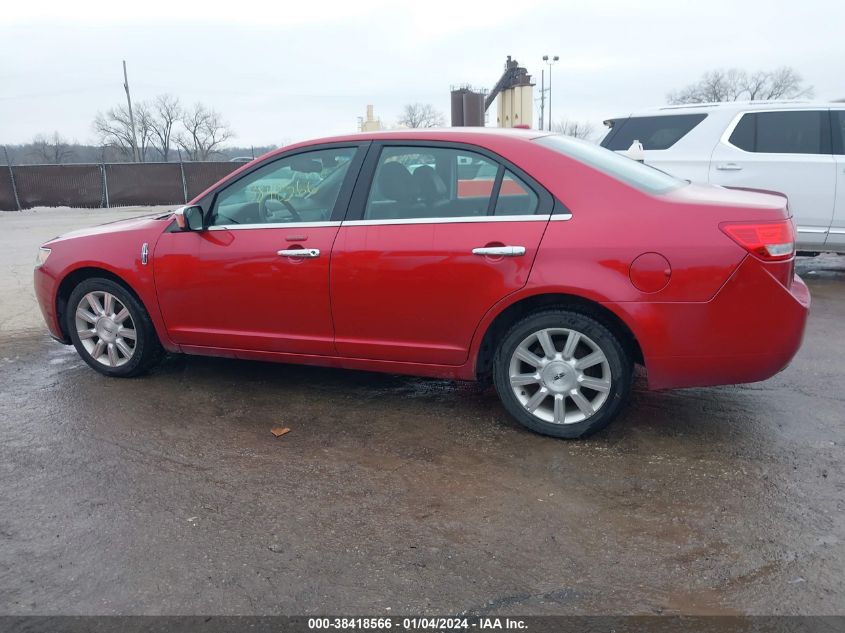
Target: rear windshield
x: 654, y: 132
x: 616, y: 166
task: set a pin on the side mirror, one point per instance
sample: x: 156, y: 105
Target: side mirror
x: 189, y: 218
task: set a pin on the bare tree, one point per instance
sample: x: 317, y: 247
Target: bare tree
x: 144, y: 123
x: 166, y: 112
x: 734, y: 84
x: 53, y: 149
x: 421, y: 115
x: 575, y: 129
x: 113, y: 129
x: 204, y: 132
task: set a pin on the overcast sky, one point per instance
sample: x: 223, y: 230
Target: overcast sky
x: 284, y: 71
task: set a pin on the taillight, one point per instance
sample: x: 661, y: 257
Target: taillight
x: 770, y: 241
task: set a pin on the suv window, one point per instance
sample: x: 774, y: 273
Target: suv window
x: 441, y: 182
x: 838, y: 122
x: 784, y: 132
x: 299, y: 188
x: 654, y: 132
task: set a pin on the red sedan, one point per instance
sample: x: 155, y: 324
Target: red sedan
x: 550, y: 265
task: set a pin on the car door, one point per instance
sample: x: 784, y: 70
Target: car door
x: 436, y: 235
x: 836, y: 235
x: 242, y: 283
x: 786, y: 151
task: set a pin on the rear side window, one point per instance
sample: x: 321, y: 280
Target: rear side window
x: 515, y: 197
x: 787, y: 132
x: 654, y: 132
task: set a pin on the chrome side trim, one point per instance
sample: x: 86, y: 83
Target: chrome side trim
x: 272, y: 225
x: 560, y: 217
x: 837, y: 231
x: 459, y: 220
x: 811, y: 229
x: 145, y: 253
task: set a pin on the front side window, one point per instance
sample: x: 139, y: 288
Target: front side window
x: 299, y: 188
x: 654, y: 132
x: 785, y: 132
x: 616, y: 166
x: 440, y: 182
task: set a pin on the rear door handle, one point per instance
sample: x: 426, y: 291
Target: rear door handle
x: 299, y: 252
x: 728, y: 167
x: 500, y: 251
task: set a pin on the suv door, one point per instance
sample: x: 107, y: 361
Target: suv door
x: 836, y: 235
x: 787, y: 151
x: 241, y: 283
x: 437, y: 233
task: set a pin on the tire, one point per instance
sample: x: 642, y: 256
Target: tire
x: 585, y: 354
x: 111, y: 323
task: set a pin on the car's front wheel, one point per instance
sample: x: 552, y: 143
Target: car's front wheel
x: 562, y: 373
x: 110, y: 329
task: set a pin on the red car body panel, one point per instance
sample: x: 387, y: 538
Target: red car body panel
x: 250, y: 286
x: 411, y: 298
x: 416, y: 293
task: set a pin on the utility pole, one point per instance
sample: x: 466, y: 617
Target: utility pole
x: 550, y: 62
x: 131, y: 118
x: 542, y: 95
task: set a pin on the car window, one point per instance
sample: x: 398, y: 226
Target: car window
x: 515, y: 197
x: 430, y: 182
x: 616, y: 166
x: 784, y: 132
x: 654, y: 132
x: 299, y: 188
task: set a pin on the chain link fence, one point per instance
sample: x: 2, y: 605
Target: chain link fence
x: 106, y: 185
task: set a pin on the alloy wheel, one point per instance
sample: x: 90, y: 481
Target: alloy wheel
x: 105, y: 328
x: 560, y: 375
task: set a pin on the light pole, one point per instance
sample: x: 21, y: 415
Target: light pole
x: 550, y: 62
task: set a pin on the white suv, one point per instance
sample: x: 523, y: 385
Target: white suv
x: 794, y: 147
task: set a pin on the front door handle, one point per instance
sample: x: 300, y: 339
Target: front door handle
x: 500, y: 251
x: 728, y: 167
x: 299, y: 252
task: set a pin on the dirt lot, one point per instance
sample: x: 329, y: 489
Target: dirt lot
x: 168, y: 494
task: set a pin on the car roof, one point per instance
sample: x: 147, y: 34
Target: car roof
x: 471, y: 135
x: 731, y: 106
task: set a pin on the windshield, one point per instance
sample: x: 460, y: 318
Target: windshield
x: 629, y: 171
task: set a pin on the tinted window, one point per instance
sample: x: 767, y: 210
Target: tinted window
x: 299, y: 188
x: 838, y: 131
x: 438, y: 182
x: 787, y: 132
x: 614, y: 165
x: 654, y: 132
x: 515, y: 197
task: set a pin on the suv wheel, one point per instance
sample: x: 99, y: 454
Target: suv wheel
x: 562, y: 374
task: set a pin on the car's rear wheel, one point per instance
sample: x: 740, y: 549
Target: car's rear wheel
x: 110, y: 329
x: 562, y: 373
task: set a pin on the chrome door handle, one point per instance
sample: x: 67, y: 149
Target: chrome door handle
x: 299, y: 252
x: 500, y: 251
x: 728, y: 167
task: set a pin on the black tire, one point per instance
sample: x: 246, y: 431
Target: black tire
x: 147, y: 350
x: 618, y: 359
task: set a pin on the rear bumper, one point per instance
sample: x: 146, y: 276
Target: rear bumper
x: 749, y: 331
